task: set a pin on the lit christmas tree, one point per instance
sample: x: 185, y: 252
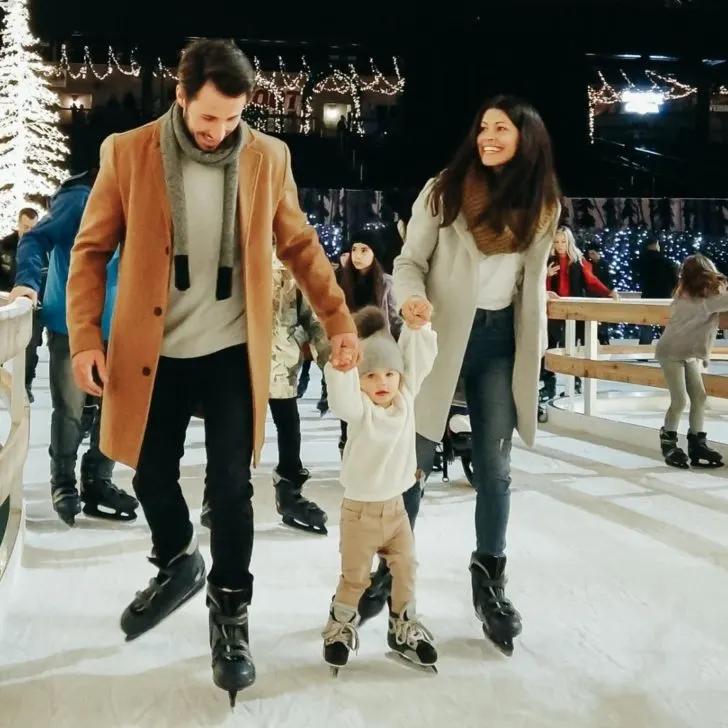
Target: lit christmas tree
x: 32, y: 147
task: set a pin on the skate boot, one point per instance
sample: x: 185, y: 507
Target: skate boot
x: 577, y: 385
x: 698, y: 451
x: 501, y: 621
x: 232, y: 664
x: 411, y: 640
x: 377, y: 593
x: 674, y: 456
x: 295, y: 510
x: 66, y: 500
x: 176, y: 583
x: 340, y: 636
x: 102, y: 499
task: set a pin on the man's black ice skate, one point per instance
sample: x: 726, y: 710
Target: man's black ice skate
x: 377, y: 593
x: 501, y: 621
x: 674, y: 456
x: 702, y: 456
x: 176, y: 583
x: 340, y: 636
x: 233, y: 669
x: 102, y: 499
x: 66, y: 501
x: 295, y: 510
x: 411, y: 640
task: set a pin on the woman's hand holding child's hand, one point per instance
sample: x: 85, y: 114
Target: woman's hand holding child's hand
x: 417, y: 312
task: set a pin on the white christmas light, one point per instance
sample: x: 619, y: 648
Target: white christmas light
x: 33, y: 149
x: 642, y: 102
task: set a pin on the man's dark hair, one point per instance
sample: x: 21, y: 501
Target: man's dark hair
x: 218, y: 61
x: 28, y: 212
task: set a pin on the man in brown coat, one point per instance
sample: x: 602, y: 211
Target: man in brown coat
x: 194, y: 200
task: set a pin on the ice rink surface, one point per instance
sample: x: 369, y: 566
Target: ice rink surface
x: 616, y: 563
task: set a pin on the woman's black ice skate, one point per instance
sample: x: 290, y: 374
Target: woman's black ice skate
x: 340, y: 636
x: 411, y: 640
x: 295, y: 510
x: 102, y: 499
x: 674, y: 456
x: 702, y: 456
x: 501, y: 621
x: 233, y: 669
x: 175, y: 584
x: 66, y: 501
x: 377, y: 593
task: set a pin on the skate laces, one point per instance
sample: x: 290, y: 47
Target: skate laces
x: 144, y: 598
x: 344, y: 632
x: 232, y: 642
x: 410, y: 632
x: 498, y: 600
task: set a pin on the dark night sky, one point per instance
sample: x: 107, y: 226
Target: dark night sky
x: 451, y: 63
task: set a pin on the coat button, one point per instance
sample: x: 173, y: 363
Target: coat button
x: 146, y: 371
x: 157, y: 311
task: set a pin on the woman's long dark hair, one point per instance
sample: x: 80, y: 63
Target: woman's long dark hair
x: 362, y: 289
x: 526, y: 184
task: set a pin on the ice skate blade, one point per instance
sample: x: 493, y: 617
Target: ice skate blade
x: 334, y: 671
x: 411, y: 664
x: 679, y: 466
x: 705, y: 466
x: 94, y: 512
x: 293, y: 523
x: 233, y: 694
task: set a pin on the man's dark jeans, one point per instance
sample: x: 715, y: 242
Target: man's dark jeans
x: 288, y: 428
x: 66, y: 429
x: 220, y: 382
x: 487, y: 373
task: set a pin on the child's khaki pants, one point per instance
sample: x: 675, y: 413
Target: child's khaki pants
x: 376, y: 528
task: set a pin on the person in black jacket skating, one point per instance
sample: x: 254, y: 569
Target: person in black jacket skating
x: 657, y: 278
x: 601, y: 270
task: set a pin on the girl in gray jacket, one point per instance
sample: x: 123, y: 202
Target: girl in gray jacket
x: 683, y: 352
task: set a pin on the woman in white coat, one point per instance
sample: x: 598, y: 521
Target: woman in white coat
x: 474, y: 263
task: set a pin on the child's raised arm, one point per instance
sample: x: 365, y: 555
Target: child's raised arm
x: 419, y: 348
x: 345, y: 395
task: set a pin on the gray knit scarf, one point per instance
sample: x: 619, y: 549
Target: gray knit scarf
x: 175, y: 142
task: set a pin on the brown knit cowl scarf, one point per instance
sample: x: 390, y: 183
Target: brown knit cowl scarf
x: 487, y: 240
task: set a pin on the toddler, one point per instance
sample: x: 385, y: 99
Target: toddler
x: 683, y: 351
x: 378, y: 466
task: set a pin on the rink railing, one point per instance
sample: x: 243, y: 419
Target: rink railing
x: 592, y: 361
x: 16, y: 325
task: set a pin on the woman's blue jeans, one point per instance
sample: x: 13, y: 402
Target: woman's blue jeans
x: 487, y: 373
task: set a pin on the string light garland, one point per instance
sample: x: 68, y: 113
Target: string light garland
x: 662, y: 88
x: 33, y: 149
x: 278, y: 82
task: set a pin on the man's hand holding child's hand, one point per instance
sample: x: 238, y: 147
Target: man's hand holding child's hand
x: 345, y: 352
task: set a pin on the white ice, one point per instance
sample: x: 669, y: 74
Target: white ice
x: 617, y: 564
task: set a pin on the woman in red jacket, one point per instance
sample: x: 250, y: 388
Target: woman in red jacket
x: 569, y: 274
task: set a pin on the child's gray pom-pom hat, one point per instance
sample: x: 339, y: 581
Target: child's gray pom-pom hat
x: 379, y: 349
